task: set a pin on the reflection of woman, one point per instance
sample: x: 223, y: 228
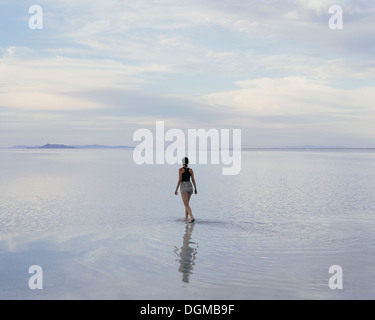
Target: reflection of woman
x: 187, y: 254
x: 186, y: 188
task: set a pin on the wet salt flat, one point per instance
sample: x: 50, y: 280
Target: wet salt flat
x: 102, y: 227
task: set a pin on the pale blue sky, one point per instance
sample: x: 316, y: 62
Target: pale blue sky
x: 99, y: 70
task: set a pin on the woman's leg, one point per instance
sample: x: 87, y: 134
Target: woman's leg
x: 186, y: 199
x: 189, y: 196
x: 186, y: 212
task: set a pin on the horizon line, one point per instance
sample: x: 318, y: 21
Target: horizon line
x: 98, y: 146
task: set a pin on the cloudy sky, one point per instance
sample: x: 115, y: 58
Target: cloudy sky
x: 99, y: 70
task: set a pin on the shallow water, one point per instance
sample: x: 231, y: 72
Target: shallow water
x: 102, y: 227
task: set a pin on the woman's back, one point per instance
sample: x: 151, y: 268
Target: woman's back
x: 186, y: 174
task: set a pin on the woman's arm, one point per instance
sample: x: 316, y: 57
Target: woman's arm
x: 179, y: 180
x: 193, y: 180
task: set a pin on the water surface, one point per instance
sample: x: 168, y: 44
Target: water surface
x: 102, y: 227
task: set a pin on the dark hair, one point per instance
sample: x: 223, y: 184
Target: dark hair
x: 185, y: 161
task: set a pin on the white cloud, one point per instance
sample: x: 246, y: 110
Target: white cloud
x: 296, y: 96
x: 44, y: 101
x: 46, y: 83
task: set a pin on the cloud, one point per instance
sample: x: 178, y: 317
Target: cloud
x: 43, y: 83
x: 143, y: 105
x: 289, y: 36
x: 44, y: 101
x: 296, y: 98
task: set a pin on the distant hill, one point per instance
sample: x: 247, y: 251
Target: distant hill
x: 314, y: 147
x: 55, y: 146
x: 100, y: 146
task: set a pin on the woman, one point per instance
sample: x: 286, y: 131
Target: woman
x: 186, y: 187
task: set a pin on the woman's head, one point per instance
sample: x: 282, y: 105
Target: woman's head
x: 185, y: 161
